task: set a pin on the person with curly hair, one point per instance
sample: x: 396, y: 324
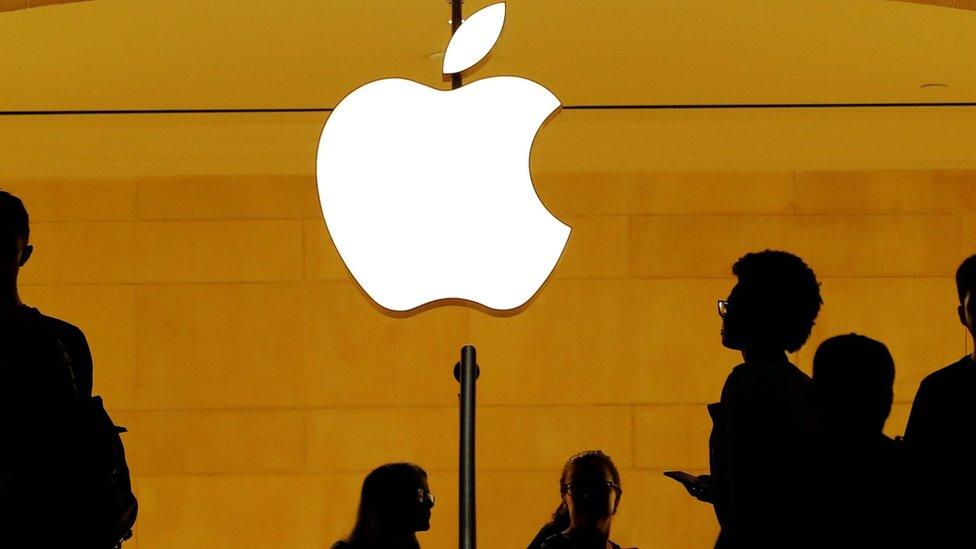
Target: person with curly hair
x: 762, y: 422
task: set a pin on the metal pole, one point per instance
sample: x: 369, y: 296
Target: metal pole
x: 455, y: 23
x: 466, y: 371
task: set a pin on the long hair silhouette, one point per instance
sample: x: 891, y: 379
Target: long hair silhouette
x: 389, y: 504
x: 560, y: 517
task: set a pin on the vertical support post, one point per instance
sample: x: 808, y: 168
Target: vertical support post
x: 455, y: 23
x: 466, y: 371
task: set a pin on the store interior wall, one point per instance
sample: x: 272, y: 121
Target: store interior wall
x: 259, y: 384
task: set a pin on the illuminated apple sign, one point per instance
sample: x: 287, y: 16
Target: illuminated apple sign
x: 427, y: 193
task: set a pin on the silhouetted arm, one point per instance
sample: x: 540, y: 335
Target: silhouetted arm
x: 718, y: 459
x: 76, y: 345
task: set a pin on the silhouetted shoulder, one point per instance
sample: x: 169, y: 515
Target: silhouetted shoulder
x: 558, y: 541
x: 740, y: 375
x: 545, y: 533
x: 342, y: 545
x: 963, y: 371
x: 561, y: 541
x: 942, y: 411
x: 941, y: 391
x: 746, y: 380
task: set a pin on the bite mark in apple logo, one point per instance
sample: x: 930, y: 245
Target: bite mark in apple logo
x: 427, y: 193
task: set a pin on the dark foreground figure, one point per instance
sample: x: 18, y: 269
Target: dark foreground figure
x: 762, y: 423
x: 63, y: 480
x: 394, y: 505
x: 941, y: 439
x: 857, y: 476
x: 590, y: 490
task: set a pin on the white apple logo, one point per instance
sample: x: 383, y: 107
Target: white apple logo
x: 427, y: 193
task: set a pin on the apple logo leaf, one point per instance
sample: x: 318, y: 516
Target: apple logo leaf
x: 474, y: 38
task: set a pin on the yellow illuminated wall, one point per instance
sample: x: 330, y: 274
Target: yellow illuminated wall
x: 259, y: 385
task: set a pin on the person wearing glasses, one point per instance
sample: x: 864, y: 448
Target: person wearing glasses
x: 762, y: 423
x: 394, y: 505
x: 590, y: 490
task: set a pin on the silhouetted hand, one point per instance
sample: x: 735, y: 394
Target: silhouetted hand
x: 703, y: 490
x: 701, y: 487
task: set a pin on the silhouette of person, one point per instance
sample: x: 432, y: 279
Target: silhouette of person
x: 941, y: 436
x: 394, y: 505
x: 15, y: 251
x: 45, y: 364
x: 590, y: 490
x: 763, y: 418
x: 856, y: 482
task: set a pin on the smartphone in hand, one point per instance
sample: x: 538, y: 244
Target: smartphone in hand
x: 698, y: 486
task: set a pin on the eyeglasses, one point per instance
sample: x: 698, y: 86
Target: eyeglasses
x: 590, y: 487
x: 424, y: 496
x: 723, y: 308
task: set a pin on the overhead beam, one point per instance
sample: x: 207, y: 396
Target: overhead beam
x: 957, y: 4
x: 14, y: 5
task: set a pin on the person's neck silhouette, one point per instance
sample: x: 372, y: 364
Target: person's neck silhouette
x: 15, y: 250
x: 764, y: 355
x: 967, y: 315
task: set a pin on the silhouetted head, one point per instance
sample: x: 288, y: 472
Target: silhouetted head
x: 853, y: 384
x: 15, y: 249
x: 773, y: 305
x: 394, y: 504
x: 966, y: 286
x: 590, y: 487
